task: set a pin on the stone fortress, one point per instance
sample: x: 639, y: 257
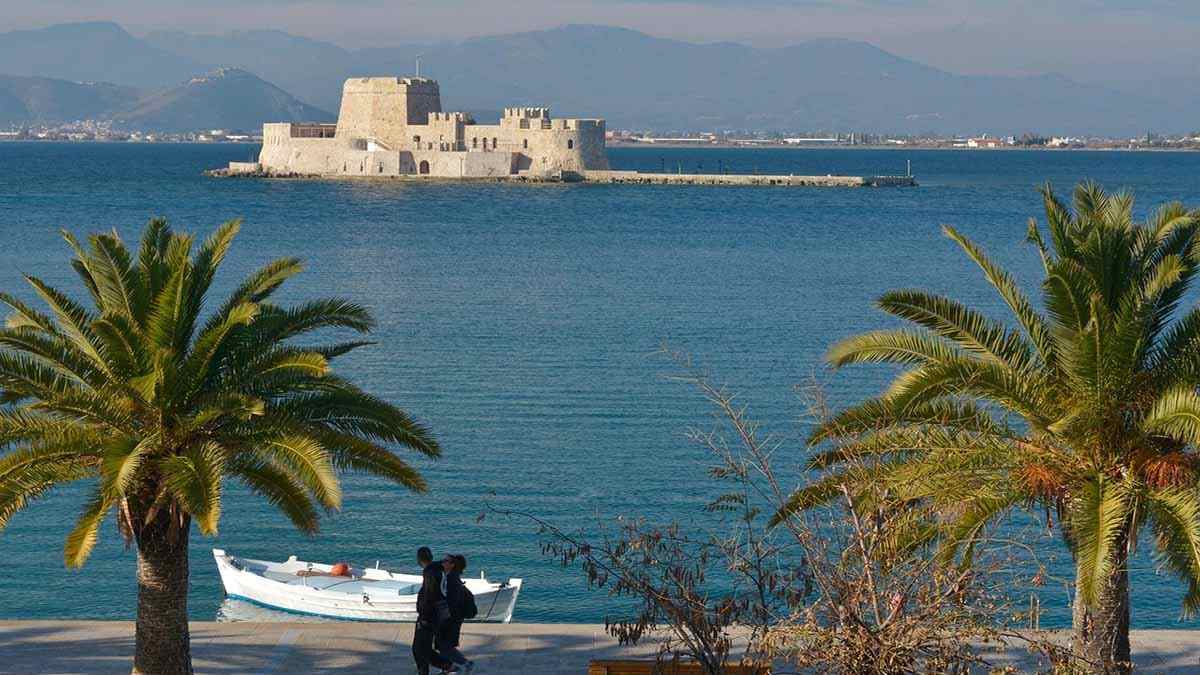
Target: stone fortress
x: 393, y: 127
x: 390, y: 127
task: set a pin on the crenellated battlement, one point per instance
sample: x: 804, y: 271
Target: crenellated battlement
x: 573, y: 124
x: 528, y: 113
x: 386, y: 84
x: 463, y: 117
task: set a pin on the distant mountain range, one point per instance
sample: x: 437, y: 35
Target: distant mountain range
x: 28, y: 99
x: 226, y: 98
x: 92, y: 52
x: 632, y: 79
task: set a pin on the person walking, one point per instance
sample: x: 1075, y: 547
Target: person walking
x: 432, y: 612
x: 462, y: 607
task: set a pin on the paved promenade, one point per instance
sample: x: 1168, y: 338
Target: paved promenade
x: 378, y: 648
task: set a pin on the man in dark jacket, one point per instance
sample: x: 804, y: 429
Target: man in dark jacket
x: 432, y: 612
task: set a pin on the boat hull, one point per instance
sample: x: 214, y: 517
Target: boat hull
x: 373, y: 595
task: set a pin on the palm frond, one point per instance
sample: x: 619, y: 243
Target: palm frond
x: 1097, y: 518
x: 24, y: 316
x: 879, y: 413
x: 111, y: 269
x: 151, y: 265
x: 966, y: 378
x: 280, y: 489
x: 22, y: 485
x: 1066, y: 293
x: 121, y: 462
x: 194, y: 480
x: 196, y: 369
x: 1177, y: 414
x: 74, y: 320
x: 82, y: 538
x: 331, y: 352
x: 164, y: 325
x: 963, y: 326
x: 351, y: 453
x: 344, y: 408
x: 21, y: 424
x: 54, y: 351
x: 309, y: 461
x: 280, y: 324
x: 816, y: 493
x: 1034, y: 324
x: 892, y: 346
x: 122, y: 344
x: 260, y: 285
x: 1175, y: 514
x: 210, y: 256
x: 964, y: 532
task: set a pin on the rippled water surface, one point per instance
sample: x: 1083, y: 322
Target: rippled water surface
x: 521, y: 322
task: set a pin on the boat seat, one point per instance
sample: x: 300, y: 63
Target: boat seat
x: 326, y: 582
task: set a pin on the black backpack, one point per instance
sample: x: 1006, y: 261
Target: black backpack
x: 469, y: 610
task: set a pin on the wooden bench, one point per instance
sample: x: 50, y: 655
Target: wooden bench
x: 664, y: 668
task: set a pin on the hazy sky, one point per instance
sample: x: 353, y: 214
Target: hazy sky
x: 1087, y: 39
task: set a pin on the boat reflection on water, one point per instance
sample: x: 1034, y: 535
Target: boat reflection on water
x: 234, y: 610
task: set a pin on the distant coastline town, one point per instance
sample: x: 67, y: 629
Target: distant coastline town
x: 104, y: 131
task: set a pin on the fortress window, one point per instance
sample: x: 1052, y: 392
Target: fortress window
x: 493, y: 143
x: 526, y: 143
x: 570, y: 143
x: 475, y: 142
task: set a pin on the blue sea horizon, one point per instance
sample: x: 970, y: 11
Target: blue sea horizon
x: 523, y: 324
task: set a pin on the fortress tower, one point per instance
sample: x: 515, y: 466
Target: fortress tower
x: 382, y: 108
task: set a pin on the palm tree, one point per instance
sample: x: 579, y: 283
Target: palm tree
x: 158, y: 403
x: 1087, y: 410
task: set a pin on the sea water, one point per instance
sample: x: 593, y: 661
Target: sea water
x: 523, y: 324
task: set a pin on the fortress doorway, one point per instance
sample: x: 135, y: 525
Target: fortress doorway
x: 423, y: 168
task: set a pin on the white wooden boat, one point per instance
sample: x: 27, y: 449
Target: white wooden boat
x: 367, y: 594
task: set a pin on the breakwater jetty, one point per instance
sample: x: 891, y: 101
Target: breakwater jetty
x: 256, y: 170
x: 746, y: 179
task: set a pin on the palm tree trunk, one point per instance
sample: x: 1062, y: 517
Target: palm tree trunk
x: 163, y: 643
x: 1102, y: 632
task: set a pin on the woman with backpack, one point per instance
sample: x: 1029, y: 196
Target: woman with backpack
x: 462, y: 608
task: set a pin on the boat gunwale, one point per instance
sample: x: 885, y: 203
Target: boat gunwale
x: 492, y: 586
